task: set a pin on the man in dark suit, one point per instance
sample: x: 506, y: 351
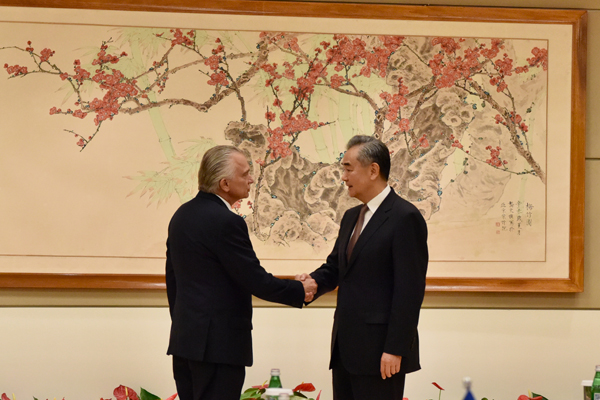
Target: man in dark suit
x: 211, y: 273
x: 378, y: 263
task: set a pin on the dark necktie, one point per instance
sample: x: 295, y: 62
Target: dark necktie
x: 357, y: 229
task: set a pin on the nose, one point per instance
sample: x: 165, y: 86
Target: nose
x: 250, y: 180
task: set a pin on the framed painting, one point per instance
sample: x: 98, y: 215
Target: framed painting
x: 107, y: 109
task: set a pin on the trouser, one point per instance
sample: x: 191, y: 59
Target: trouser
x: 198, y: 380
x: 348, y: 386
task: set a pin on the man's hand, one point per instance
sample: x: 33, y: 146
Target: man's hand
x: 310, y: 286
x: 390, y: 365
x: 303, y: 277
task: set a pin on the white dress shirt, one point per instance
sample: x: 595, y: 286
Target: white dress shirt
x: 374, y: 204
x: 226, y: 203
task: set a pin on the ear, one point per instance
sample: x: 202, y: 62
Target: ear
x: 224, y: 185
x: 374, y: 171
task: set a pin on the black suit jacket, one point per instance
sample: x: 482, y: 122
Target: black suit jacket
x: 211, y: 273
x: 381, y: 287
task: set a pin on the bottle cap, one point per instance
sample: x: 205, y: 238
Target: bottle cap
x: 597, y: 368
x: 467, y: 383
x: 275, y: 371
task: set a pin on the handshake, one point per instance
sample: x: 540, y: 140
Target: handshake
x: 310, y: 286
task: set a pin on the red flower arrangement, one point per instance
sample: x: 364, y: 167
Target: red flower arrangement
x: 122, y: 393
x: 256, y: 392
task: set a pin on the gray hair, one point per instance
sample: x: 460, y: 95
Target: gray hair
x: 372, y: 150
x: 216, y: 165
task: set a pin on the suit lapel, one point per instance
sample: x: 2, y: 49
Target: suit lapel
x: 378, y: 219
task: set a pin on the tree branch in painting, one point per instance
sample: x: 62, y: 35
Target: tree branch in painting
x: 434, y: 101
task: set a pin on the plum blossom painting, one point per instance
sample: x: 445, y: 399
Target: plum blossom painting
x: 104, y: 126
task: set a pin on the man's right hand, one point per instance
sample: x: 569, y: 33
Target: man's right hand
x: 310, y: 286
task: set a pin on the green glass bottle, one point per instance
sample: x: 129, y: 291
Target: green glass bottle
x: 275, y: 382
x: 596, y: 385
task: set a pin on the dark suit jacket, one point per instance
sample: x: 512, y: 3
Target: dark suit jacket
x: 211, y: 273
x: 381, y: 287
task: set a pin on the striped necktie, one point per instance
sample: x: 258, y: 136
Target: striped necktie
x: 357, y: 230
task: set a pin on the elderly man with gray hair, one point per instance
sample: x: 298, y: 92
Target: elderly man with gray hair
x: 211, y: 274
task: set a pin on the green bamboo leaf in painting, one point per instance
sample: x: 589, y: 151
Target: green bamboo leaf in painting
x: 159, y: 186
x: 197, y: 149
x: 178, y: 177
x: 144, y: 47
x: 146, y: 38
x: 86, y: 87
x: 233, y: 42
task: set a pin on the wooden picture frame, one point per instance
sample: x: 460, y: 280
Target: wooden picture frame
x: 575, y: 20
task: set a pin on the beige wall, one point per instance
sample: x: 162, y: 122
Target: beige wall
x: 84, y: 353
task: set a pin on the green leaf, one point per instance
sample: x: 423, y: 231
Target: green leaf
x: 251, y: 393
x: 536, y: 395
x: 145, y: 395
x: 144, y: 38
x: 178, y: 177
